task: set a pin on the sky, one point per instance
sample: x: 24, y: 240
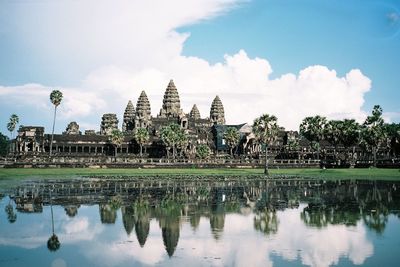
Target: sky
x: 290, y: 58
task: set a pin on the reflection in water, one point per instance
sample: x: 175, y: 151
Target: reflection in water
x: 281, y: 217
x: 53, y: 244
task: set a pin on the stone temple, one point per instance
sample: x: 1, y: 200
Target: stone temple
x: 32, y: 140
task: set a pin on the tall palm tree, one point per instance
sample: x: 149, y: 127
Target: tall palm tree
x: 312, y: 128
x: 55, y: 98
x: 332, y: 133
x: 116, y: 139
x: 14, y: 120
x: 232, y: 137
x: 141, y: 135
x: 266, y: 131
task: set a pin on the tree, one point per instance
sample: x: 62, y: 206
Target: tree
x: 141, y: 135
x: 203, y: 151
x: 393, y: 134
x: 332, y: 133
x: 55, y: 98
x: 14, y: 120
x: 3, y: 145
x: 182, y: 141
x: 266, y: 131
x: 116, y: 139
x: 173, y: 137
x: 312, y: 128
x: 232, y: 137
x: 350, y: 134
x: 373, y: 133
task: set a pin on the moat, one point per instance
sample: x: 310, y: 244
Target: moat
x: 115, y: 221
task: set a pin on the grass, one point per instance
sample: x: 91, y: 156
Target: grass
x: 371, y: 173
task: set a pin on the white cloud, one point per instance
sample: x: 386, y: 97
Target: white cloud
x: 131, y: 46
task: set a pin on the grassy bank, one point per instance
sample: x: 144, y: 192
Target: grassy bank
x: 373, y: 173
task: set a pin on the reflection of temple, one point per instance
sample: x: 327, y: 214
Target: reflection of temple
x: 172, y: 204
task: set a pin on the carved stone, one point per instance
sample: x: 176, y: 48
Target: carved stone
x: 143, y: 111
x: 194, y: 113
x: 72, y: 128
x: 129, y: 117
x: 109, y: 122
x: 171, y: 104
x: 217, y: 113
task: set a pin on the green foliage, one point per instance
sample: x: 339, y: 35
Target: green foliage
x: 203, y: 151
x: 232, y: 138
x: 56, y: 97
x: 14, y: 120
x: 266, y: 128
x: 4, y: 142
x: 373, y: 133
x: 312, y: 128
x: 141, y: 135
x: 116, y: 138
x: 332, y: 132
x: 350, y: 133
x: 174, y: 138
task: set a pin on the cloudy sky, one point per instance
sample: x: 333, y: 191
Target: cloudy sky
x: 291, y: 58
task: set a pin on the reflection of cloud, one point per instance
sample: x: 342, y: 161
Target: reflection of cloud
x: 393, y: 17
x: 240, y: 245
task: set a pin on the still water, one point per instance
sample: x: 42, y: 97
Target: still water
x: 120, y: 222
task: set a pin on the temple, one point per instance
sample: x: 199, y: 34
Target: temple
x: 93, y: 147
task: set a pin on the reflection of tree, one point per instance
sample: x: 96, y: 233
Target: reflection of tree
x: 108, y: 212
x: 11, y: 215
x: 142, y: 226
x: 71, y: 210
x: 266, y: 221
x: 195, y: 220
x: 108, y: 215
x: 314, y: 215
x: 53, y: 244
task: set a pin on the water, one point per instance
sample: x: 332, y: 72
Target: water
x: 119, y: 222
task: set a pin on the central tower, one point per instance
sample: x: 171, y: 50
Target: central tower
x: 171, y: 104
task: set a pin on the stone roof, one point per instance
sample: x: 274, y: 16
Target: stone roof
x: 171, y: 104
x: 217, y: 113
x: 143, y: 106
x: 194, y: 113
x: 129, y: 116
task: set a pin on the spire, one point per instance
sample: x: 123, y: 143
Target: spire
x: 171, y: 104
x: 129, y: 116
x: 217, y: 114
x: 194, y: 113
x: 143, y: 111
x: 109, y: 122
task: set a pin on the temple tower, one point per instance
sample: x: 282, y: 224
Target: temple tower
x: 129, y: 117
x: 109, y: 122
x: 171, y: 104
x: 194, y: 113
x: 217, y: 114
x: 143, y: 112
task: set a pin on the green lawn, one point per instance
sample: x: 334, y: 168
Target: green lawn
x: 373, y: 173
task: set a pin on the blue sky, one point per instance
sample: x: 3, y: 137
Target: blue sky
x: 292, y: 58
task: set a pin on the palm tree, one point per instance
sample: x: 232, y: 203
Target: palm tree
x: 332, y: 133
x: 141, y: 135
x: 232, y: 137
x: 173, y: 136
x: 116, y: 138
x: 14, y: 120
x: 312, y: 128
x: 182, y: 141
x: 55, y: 98
x: 350, y: 134
x: 266, y: 130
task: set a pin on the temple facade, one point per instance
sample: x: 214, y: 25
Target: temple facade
x: 32, y: 141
